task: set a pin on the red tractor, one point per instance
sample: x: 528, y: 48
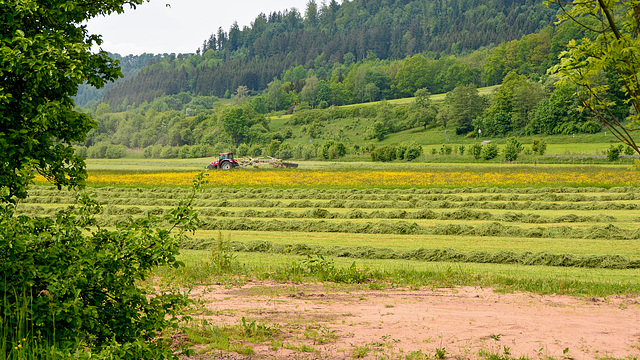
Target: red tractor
x: 225, y: 162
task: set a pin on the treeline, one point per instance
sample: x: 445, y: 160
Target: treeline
x: 331, y: 36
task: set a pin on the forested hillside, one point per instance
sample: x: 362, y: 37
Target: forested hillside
x: 300, y: 115
x: 130, y: 65
x: 291, y: 45
x: 287, y: 94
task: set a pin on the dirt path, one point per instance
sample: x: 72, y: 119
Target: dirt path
x: 338, y: 322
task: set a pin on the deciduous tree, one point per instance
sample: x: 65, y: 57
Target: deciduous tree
x: 423, y: 111
x: 70, y: 286
x: 44, y: 56
x: 614, y: 50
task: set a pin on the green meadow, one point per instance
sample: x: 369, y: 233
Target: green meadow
x: 571, y: 240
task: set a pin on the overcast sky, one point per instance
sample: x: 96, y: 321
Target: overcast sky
x: 179, y: 26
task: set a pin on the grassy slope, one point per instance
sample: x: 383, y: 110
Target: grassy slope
x: 353, y: 133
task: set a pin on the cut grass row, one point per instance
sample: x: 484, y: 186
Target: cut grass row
x: 428, y: 194
x: 424, y: 222
x: 206, y: 239
x: 383, y: 217
x: 363, y: 205
x: 437, y: 216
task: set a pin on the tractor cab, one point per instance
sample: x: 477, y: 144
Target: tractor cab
x: 225, y: 162
x: 225, y: 156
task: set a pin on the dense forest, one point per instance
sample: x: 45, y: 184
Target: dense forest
x: 331, y: 35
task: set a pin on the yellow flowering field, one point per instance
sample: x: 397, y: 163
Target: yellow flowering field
x: 357, y: 178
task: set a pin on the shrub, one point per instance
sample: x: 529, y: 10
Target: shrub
x: 308, y: 152
x: 274, y: 147
x: 156, y: 151
x: 591, y: 127
x: 184, y: 152
x: 82, y: 151
x: 84, y: 289
x: 489, y: 151
x: 340, y: 149
x: 370, y: 147
x: 115, y: 151
x: 413, y: 152
x: 400, y: 153
x: 384, y: 153
x: 613, y: 153
x: 512, y: 150
x: 286, y: 151
x: 200, y: 151
x: 221, y: 148
x: 378, y: 130
x: 628, y: 150
x: 169, y: 152
x: 476, y: 151
x: 147, y: 153
x: 256, y: 150
x: 243, y: 150
x: 461, y: 149
x: 97, y: 151
x: 445, y: 150
x: 333, y: 152
x: 539, y: 146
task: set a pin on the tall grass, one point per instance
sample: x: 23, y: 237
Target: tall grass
x: 19, y: 341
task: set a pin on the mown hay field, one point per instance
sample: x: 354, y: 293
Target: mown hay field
x: 508, y: 225
x: 323, y: 175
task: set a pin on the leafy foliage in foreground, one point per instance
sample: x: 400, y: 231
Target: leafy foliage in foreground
x: 613, y: 53
x: 44, y: 55
x: 84, y: 291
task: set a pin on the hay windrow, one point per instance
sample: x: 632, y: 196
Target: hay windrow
x: 432, y: 255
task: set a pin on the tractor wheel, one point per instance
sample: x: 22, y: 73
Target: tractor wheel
x: 226, y: 166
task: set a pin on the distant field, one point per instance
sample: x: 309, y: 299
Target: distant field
x: 319, y: 174
x: 514, y: 224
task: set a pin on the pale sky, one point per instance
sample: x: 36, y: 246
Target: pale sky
x: 154, y: 27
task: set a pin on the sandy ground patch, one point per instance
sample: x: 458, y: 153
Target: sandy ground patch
x: 338, y: 322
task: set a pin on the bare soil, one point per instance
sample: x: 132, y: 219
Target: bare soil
x: 342, y: 321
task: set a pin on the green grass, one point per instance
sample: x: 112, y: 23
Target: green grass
x: 539, y: 279
x: 142, y: 164
x: 578, y: 223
